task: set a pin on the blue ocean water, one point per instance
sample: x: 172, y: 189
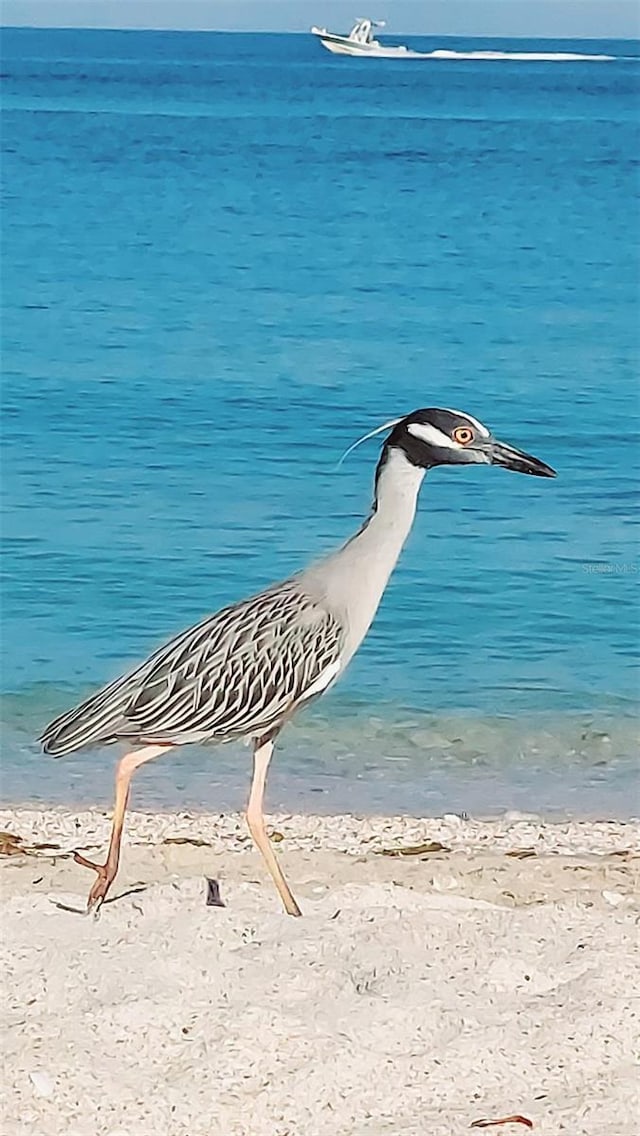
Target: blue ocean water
x: 227, y: 256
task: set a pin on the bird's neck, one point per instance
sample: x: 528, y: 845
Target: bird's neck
x: 386, y: 529
x: 355, y: 577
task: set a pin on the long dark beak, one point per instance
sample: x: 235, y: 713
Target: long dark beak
x: 510, y: 458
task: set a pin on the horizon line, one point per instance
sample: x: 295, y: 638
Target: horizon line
x: 272, y: 31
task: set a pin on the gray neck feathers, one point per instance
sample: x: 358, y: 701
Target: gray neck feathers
x: 352, y: 580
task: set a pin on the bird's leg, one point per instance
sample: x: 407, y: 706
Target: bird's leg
x: 255, y: 819
x: 107, y: 871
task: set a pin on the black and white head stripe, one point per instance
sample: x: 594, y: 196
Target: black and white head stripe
x: 438, y: 428
x: 436, y: 436
x: 432, y: 436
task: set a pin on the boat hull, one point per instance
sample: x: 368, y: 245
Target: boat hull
x: 342, y: 45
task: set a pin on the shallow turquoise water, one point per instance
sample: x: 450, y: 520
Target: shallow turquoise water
x: 227, y: 256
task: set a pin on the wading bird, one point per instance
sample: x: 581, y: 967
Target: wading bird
x: 243, y: 672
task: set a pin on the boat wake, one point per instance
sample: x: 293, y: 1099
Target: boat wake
x: 523, y: 56
x: 489, y: 56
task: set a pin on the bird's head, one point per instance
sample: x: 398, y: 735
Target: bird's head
x: 448, y: 437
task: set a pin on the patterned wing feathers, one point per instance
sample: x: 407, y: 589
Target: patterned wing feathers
x: 236, y: 674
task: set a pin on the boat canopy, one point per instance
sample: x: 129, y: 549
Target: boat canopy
x: 361, y: 31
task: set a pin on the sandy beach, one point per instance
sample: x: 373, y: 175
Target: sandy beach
x: 489, y: 975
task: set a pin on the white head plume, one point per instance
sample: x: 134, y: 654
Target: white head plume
x: 365, y: 437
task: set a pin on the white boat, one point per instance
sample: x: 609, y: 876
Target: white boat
x: 360, y: 42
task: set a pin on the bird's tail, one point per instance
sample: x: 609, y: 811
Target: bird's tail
x: 97, y: 721
x: 103, y: 718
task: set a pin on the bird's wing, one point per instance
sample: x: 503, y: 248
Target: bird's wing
x: 237, y: 674
x: 240, y: 672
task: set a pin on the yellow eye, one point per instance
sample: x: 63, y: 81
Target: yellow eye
x: 463, y: 435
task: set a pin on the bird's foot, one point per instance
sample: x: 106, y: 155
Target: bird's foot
x: 100, y: 888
